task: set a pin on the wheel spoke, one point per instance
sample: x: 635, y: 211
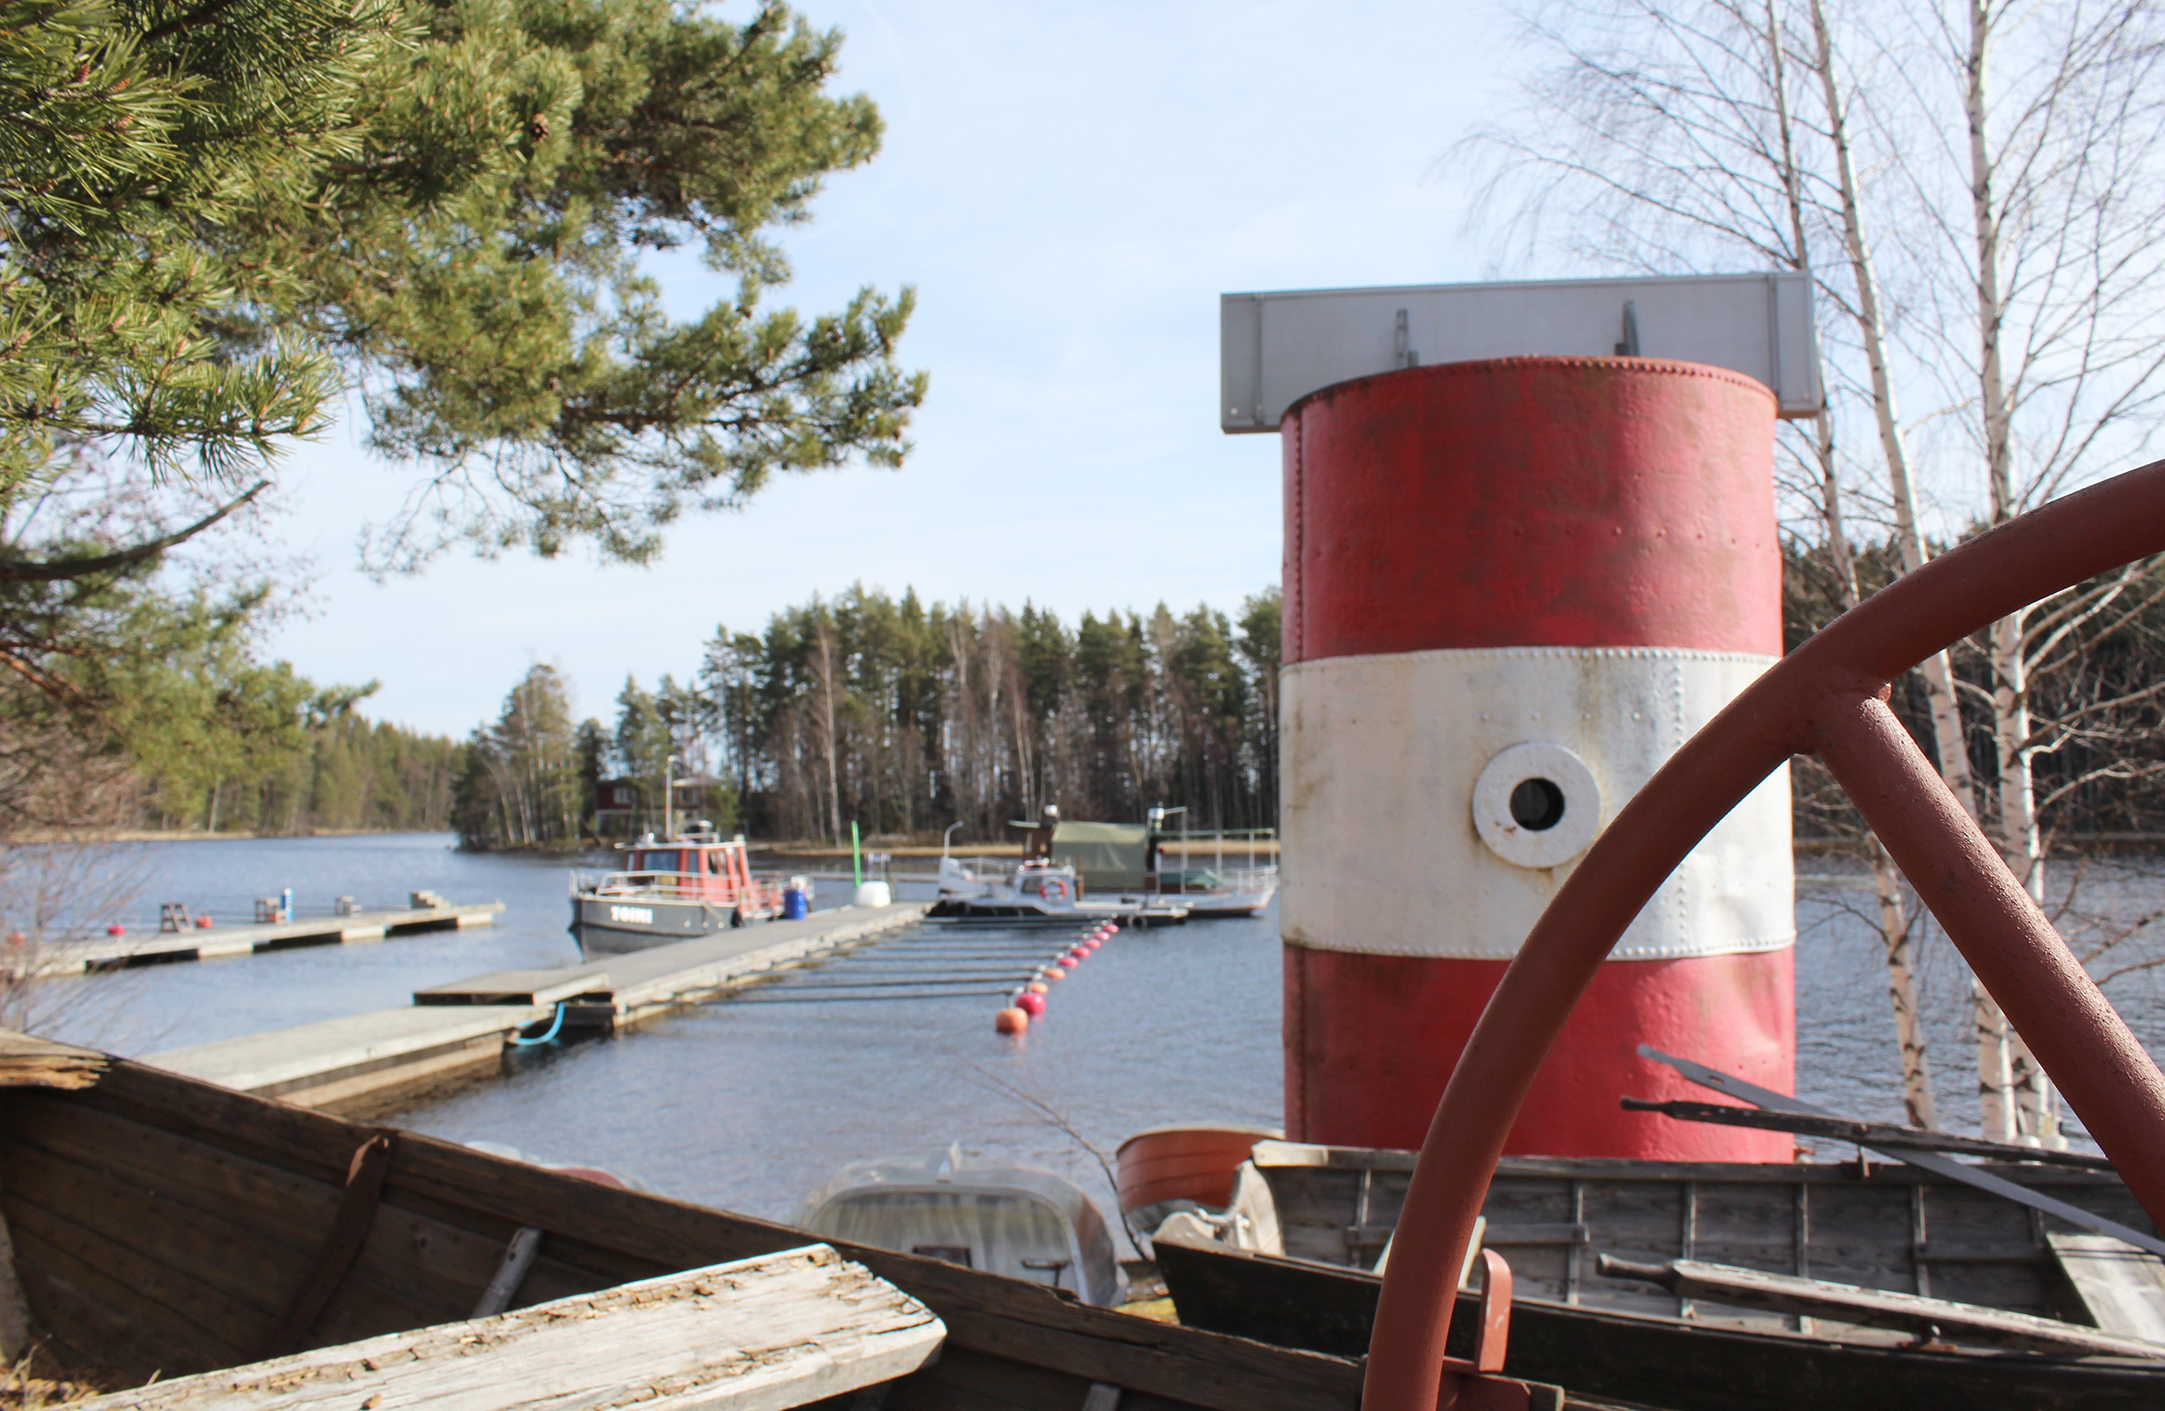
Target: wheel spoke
x: 2105, y: 1074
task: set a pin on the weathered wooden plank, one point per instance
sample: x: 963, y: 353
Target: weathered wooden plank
x: 1875, y: 1308
x: 760, y: 1334
x: 2121, y: 1287
x: 27, y: 1062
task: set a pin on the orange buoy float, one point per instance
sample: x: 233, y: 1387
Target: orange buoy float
x: 1037, y: 987
x: 1032, y: 1005
x: 203, y: 923
x: 1052, y: 973
x: 1011, y: 1021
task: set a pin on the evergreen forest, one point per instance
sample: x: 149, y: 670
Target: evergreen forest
x: 903, y: 718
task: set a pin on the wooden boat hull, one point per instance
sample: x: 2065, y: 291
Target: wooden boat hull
x: 1655, y: 1361
x: 163, y: 1225
x: 1885, y: 1226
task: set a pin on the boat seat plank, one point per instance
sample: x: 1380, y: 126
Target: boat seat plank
x: 763, y: 1334
x: 2121, y: 1287
x: 1933, y: 1317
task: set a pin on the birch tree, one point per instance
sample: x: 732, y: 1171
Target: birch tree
x: 2014, y: 208
x: 1669, y: 136
x: 2033, y: 228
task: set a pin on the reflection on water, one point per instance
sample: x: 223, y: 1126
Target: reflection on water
x: 750, y: 1103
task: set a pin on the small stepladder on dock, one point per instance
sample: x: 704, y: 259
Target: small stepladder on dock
x: 762, y: 1334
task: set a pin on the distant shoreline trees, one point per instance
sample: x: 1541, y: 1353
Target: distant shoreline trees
x: 904, y: 718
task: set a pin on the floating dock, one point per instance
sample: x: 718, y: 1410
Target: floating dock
x: 173, y: 947
x: 369, y: 1060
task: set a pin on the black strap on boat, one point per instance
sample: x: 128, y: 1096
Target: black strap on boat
x: 341, y: 1246
x: 1883, y: 1136
x: 1938, y: 1165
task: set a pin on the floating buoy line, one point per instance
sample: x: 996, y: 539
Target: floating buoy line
x: 946, y: 966
x: 1029, y: 1001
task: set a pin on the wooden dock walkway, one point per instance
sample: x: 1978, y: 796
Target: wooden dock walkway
x: 172, y: 947
x: 364, y: 1061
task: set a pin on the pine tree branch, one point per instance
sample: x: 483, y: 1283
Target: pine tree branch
x: 65, y: 570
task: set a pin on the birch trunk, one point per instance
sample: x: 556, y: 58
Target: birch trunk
x: 2014, y: 819
x: 827, y: 740
x: 1994, y: 1059
x: 1894, y: 922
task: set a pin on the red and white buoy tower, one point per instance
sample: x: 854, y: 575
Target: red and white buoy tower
x: 1513, y: 587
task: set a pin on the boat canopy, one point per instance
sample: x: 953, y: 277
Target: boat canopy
x: 1109, y: 856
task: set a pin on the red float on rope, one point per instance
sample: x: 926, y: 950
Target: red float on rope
x: 1030, y: 1004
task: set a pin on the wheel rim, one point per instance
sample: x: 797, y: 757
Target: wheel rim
x: 1825, y: 698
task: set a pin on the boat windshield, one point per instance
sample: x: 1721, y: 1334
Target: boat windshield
x: 656, y: 861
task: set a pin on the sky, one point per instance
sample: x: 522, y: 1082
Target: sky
x: 1069, y: 187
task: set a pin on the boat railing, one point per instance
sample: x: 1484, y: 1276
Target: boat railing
x: 1190, y: 845
x: 1203, y: 879
x: 666, y: 885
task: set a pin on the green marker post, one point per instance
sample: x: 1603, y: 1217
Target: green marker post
x: 856, y: 858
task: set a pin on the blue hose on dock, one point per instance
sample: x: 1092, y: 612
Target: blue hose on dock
x: 556, y: 1026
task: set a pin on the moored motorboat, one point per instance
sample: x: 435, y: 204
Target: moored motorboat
x: 1039, y: 891
x: 690, y: 885
x: 1140, y: 858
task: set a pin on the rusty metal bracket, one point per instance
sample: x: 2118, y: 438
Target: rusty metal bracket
x: 341, y: 1246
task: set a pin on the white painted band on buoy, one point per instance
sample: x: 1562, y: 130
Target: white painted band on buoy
x: 1388, y: 848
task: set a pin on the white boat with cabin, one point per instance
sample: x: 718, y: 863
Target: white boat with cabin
x: 690, y: 885
x: 1039, y: 891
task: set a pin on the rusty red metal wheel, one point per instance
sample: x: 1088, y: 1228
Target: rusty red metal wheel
x: 1829, y: 697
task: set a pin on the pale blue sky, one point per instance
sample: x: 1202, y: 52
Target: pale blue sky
x: 1070, y: 187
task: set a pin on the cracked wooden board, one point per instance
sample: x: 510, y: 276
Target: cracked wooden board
x: 761, y: 1334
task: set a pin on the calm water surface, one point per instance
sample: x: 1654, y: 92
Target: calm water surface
x: 748, y: 1103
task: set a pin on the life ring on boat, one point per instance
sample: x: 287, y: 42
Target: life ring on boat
x: 1828, y: 697
x: 1046, y: 890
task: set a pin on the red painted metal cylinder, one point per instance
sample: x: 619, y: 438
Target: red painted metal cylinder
x: 1522, y: 574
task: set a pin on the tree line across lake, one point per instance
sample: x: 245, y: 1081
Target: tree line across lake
x: 904, y: 718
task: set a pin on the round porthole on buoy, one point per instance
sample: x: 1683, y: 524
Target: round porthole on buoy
x: 1537, y: 805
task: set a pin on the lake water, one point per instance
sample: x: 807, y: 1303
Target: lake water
x: 748, y: 1103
